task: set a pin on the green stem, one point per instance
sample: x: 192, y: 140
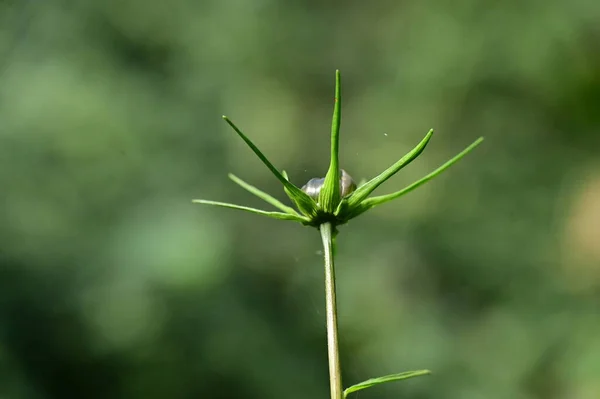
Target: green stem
x: 335, y: 372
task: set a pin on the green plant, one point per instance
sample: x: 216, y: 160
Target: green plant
x: 326, y: 204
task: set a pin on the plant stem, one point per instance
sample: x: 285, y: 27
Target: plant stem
x: 335, y: 372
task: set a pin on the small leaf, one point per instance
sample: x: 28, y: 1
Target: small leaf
x: 329, y: 197
x: 382, y: 380
x: 303, y: 201
x: 264, y: 196
x: 374, y: 201
x: 363, y: 191
x: 275, y: 215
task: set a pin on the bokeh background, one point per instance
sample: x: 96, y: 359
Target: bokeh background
x: 113, y: 285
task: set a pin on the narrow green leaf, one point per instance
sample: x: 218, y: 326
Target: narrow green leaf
x: 275, y: 215
x: 301, y: 199
x: 374, y: 201
x: 329, y: 197
x: 264, y: 196
x: 363, y: 191
x: 382, y: 380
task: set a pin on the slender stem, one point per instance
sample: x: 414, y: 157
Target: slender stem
x: 335, y: 372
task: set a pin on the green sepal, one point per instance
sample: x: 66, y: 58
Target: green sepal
x: 329, y: 197
x: 306, y: 204
x: 363, y: 191
x: 382, y: 199
x: 375, y: 201
x: 330, y: 207
x: 291, y: 196
x: 382, y: 380
x: 275, y: 215
x: 264, y: 196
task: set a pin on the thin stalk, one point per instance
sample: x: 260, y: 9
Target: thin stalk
x: 335, y: 372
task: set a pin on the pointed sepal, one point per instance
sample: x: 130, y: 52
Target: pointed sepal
x: 329, y: 197
x: 303, y: 201
x: 363, y: 191
x: 264, y: 196
x: 274, y: 215
x: 382, y: 199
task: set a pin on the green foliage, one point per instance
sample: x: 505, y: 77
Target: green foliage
x: 371, y: 382
x: 110, y: 123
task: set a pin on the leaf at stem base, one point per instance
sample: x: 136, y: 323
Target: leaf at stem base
x: 382, y: 380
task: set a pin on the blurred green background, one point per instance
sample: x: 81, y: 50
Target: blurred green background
x: 113, y: 285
